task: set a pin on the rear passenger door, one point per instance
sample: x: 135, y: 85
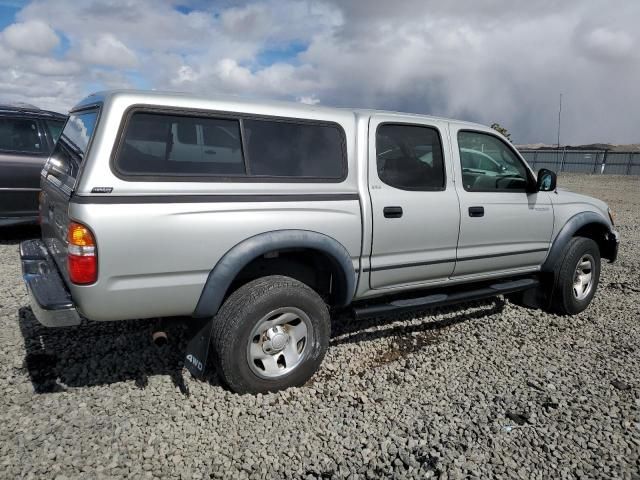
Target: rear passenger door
x: 415, y: 207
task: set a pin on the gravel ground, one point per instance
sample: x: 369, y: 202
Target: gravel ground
x: 484, y: 390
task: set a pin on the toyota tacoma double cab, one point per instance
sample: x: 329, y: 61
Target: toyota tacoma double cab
x: 258, y: 220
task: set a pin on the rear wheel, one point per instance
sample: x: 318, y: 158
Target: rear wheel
x: 270, y: 334
x: 578, y: 277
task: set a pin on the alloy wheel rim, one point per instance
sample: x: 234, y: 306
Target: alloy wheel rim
x: 279, y: 342
x: 583, y: 277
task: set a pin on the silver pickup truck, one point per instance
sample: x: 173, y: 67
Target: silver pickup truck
x: 257, y: 219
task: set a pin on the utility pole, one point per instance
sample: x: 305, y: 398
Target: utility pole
x: 559, y: 119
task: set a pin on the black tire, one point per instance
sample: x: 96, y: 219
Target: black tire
x: 243, y: 311
x: 565, y: 301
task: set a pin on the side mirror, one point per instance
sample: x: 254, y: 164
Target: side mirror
x: 546, y: 180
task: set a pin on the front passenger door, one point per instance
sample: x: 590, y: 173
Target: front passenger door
x: 504, y: 226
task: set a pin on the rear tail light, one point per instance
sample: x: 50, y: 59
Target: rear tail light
x: 82, y: 259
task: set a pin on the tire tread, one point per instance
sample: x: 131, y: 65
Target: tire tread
x: 227, y: 323
x: 563, y: 301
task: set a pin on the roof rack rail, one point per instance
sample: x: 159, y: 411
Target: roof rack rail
x: 18, y: 106
x: 21, y: 107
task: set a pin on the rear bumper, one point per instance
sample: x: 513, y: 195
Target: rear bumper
x: 49, y: 297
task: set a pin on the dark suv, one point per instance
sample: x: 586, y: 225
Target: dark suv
x: 27, y: 136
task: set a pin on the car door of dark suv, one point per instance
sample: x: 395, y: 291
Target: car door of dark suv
x: 24, y: 148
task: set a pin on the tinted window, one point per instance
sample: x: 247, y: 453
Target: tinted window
x: 488, y: 164
x: 72, y: 144
x: 410, y: 157
x: 20, y: 135
x: 55, y: 128
x: 284, y: 149
x: 175, y: 145
x: 78, y: 131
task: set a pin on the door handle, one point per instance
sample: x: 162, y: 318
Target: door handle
x: 210, y: 152
x: 392, y: 212
x: 476, y: 211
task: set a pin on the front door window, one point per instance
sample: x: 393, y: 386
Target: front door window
x: 488, y: 164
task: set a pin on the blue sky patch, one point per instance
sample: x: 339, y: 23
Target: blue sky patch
x: 139, y: 81
x: 8, y: 12
x: 184, y: 9
x: 63, y: 46
x: 280, y: 54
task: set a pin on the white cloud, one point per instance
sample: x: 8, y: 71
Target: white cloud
x: 107, y: 50
x: 252, y: 21
x: 608, y: 44
x: 31, y: 37
x: 308, y: 100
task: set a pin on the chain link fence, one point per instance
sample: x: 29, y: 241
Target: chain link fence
x: 584, y: 161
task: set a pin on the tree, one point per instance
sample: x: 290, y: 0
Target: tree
x: 499, y: 128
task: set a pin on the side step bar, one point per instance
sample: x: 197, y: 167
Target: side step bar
x: 440, y: 299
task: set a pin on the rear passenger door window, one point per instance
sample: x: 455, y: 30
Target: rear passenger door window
x: 20, y: 135
x: 295, y: 150
x: 409, y: 157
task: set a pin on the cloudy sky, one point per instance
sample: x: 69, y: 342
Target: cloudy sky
x: 489, y: 61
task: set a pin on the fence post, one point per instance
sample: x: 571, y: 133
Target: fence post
x: 535, y: 158
x: 629, y: 163
x: 604, y: 162
x: 564, y: 152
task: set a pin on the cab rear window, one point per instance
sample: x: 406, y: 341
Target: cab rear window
x: 164, y: 146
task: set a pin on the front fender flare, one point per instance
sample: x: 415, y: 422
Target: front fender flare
x: 567, y: 232
x: 232, y: 262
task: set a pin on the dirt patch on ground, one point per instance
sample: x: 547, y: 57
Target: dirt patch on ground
x: 402, y: 346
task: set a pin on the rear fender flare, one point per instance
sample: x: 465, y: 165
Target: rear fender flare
x: 232, y: 262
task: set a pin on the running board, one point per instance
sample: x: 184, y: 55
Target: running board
x: 440, y: 299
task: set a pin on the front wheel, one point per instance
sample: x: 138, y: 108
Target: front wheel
x: 270, y: 334
x: 578, y: 277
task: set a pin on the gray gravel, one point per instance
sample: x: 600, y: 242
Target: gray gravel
x: 476, y: 391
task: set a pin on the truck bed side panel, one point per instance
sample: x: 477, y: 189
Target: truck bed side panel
x: 154, y: 258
